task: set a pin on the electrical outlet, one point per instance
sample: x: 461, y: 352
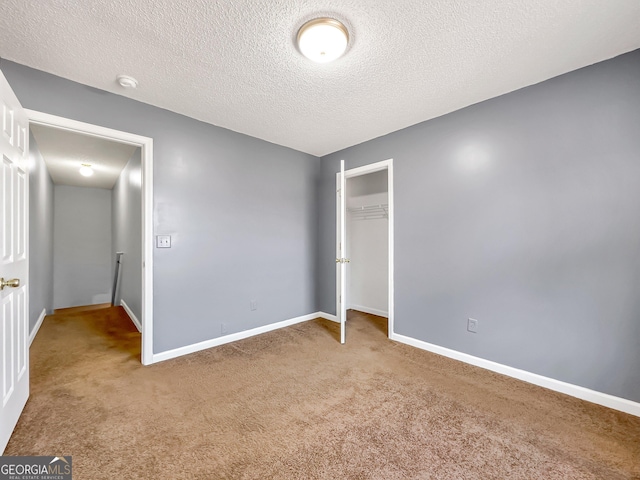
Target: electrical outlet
x: 163, y: 241
x: 253, y: 305
x: 224, y: 329
x: 472, y: 325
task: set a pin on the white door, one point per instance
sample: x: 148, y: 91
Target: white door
x: 14, y: 315
x: 341, y: 253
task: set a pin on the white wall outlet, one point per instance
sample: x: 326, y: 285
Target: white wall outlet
x: 472, y: 325
x: 253, y: 305
x: 163, y: 241
x: 224, y: 329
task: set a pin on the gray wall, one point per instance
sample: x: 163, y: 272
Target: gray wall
x: 242, y: 213
x: 522, y: 212
x: 126, y: 229
x: 81, y: 246
x: 40, y: 236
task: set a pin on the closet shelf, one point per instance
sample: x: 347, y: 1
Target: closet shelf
x: 369, y: 212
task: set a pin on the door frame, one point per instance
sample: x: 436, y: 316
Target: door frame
x: 146, y: 146
x: 356, y: 172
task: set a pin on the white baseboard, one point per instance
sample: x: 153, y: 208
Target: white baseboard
x: 372, y: 311
x: 37, y: 326
x: 214, y: 342
x: 328, y: 316
x: 617, y: 403
x: 133, y: 318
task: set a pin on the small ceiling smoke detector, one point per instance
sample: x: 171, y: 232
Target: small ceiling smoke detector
x: 86, y: 170
x: 126, y: 81
x: 323, y: 39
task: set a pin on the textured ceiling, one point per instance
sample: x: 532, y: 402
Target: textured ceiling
x: 64, y: 152
x: 234, y: 63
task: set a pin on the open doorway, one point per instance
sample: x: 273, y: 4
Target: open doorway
x: 116, y: 215
x: 364, y: 243
x: 368, y: 243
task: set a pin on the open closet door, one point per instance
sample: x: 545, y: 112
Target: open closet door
x: 341, y: 260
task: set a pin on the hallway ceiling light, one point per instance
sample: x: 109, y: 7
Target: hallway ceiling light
x: 86, y: 170
x: 323, y: 39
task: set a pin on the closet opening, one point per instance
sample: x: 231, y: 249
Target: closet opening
x: 365, y: 264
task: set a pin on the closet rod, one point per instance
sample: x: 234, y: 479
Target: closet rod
x: 369, y: 212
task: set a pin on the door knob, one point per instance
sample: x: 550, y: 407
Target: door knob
x: 14, y: 282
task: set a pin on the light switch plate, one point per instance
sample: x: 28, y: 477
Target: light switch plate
x: 163, y: 241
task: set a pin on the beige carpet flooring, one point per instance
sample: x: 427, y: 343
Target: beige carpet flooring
x: 295, y: 404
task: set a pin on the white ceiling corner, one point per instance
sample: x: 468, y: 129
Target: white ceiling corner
x: 235, y: 65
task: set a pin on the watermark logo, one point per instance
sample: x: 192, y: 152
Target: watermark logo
x: 35, y: 468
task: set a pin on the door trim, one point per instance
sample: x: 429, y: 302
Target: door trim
x: 146, y: 146
x: 356, y: 172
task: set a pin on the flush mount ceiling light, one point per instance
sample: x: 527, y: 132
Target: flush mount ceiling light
x: 86, y: 170
x: 323, y: 39
x: 126, y: 81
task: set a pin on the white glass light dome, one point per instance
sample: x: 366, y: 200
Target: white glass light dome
x: 323, y: 39
x: 86, y: 170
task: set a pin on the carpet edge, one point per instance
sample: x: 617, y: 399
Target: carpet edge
x: 593, y: 396
x: 214, y: 342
